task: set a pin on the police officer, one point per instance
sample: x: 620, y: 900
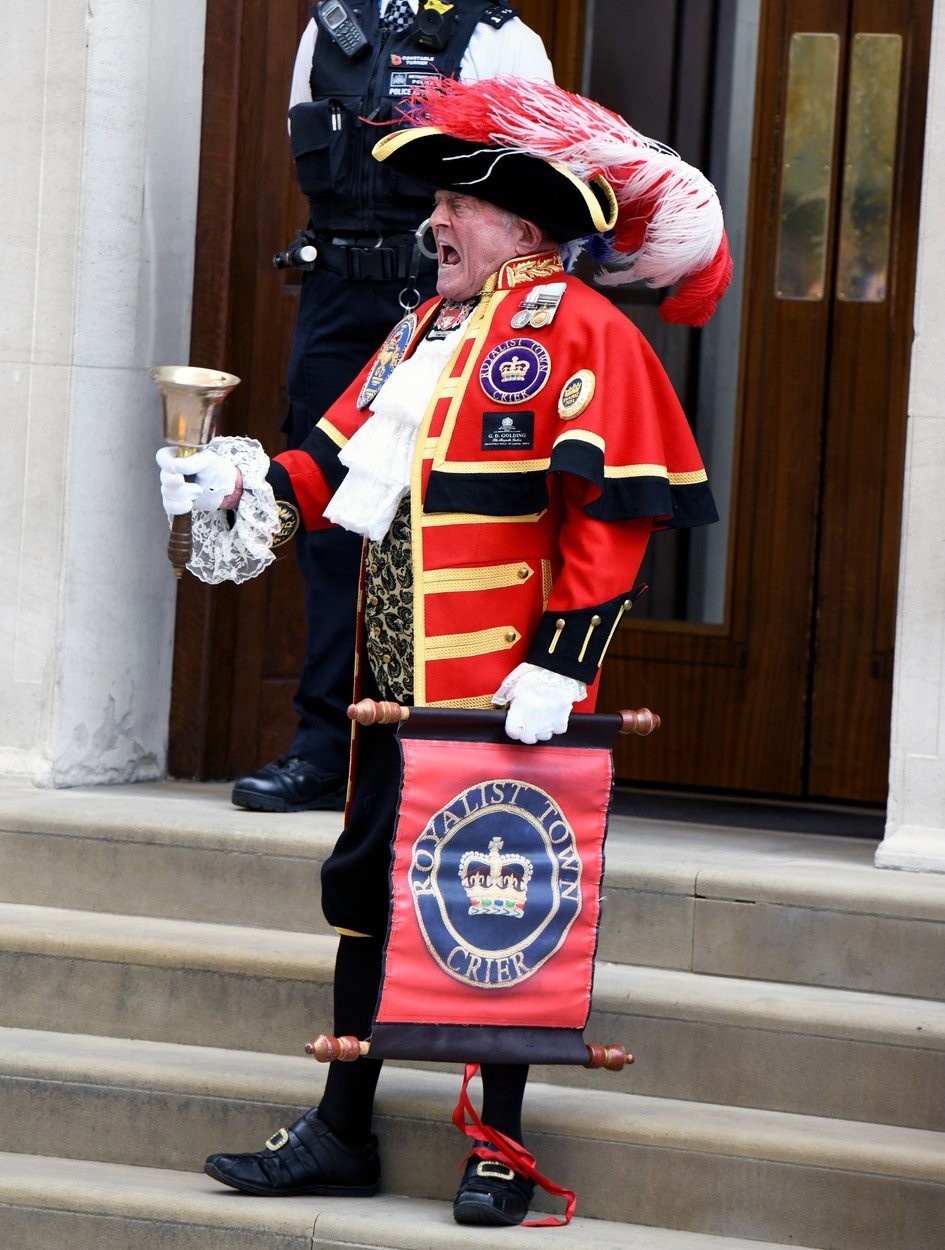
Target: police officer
x: 356, y: 61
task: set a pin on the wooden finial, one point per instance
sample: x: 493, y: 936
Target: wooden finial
x: 641, y: 722
x: 370, y: 712
x: 326, y: 1048
x: 613, y: 1057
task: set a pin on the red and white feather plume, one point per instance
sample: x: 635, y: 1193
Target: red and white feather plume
x: 669, y: 227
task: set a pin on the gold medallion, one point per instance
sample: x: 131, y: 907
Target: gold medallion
x: 576, y: 394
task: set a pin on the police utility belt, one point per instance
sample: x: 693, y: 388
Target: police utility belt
x: 369, y: 258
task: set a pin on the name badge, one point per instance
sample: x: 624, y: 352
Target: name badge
x: 508, y: 431
x: 407, y: 72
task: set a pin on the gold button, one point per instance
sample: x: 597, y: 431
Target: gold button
x: 375, y: 631
x: 559, y: 623
x: 385, y: 658
x: 627, y: 605
x: 595, y: 620
x: 510, y: 635
x: 372, y: 600
x: 523, y: 572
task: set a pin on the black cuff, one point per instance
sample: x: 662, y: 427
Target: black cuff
x: 574, y: 643
x: 290, y: 514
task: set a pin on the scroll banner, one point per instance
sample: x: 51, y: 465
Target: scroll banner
x: 496, y: 876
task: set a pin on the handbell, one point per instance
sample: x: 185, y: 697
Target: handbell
x: 191, y: 398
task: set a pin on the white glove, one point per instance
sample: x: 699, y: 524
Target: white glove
x: 539, y: 702
x: 214, y: 479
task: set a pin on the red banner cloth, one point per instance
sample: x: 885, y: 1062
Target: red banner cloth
x: 498, y: 858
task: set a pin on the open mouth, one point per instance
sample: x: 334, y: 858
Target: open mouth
x: 448, y: 256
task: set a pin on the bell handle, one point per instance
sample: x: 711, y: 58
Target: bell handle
x: 180, y: 543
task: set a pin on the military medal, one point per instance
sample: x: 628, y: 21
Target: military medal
x: 515, y: 371
x: 388, y: 358
x: 539, y: 306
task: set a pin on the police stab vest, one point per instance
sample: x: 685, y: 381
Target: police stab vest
x: 353, y: 104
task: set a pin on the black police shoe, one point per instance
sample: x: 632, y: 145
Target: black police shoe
x: 291, y: 784
x: 304, y: 1159
x: 491, y: 1193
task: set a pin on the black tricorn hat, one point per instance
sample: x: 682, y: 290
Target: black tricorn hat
x: 579, y: 171
x: 542, y: 191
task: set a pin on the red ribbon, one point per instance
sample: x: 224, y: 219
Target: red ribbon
x: 512, y: 1153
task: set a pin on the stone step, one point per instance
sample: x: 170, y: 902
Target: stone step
x: 706, y: 1039
x: 631, y: 1159
x: 46, y: 1202
x: 726, y: 902
x: 166, y: 980
x: 178, y: 850
x: 805, y: 1049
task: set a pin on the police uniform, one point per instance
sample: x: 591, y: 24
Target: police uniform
x: 363, y: 218
x: 552, y: 445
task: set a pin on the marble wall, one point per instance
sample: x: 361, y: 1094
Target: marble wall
x: 99, y: 136
x: 915, y: 825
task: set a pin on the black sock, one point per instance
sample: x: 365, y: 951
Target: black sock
x: 347, y: 1104
x: 503, y: 1090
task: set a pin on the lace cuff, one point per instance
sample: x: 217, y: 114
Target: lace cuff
x: 222, y: 553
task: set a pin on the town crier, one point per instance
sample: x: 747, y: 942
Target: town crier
x: 506, y: 457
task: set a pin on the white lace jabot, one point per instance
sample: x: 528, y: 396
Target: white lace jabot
x: 379, y: 457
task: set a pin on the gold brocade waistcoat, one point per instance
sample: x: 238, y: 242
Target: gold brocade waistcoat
x: 388, y: 609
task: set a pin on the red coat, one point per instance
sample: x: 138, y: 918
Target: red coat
x: 540, y: 469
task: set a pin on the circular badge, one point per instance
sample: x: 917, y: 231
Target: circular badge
x: 496, y: 883
x: 289, y: 521
x: 520, y: 320
x: 576, y: 394
x: 388, y: 358
x: 515, y: 371
x: 540, y: 318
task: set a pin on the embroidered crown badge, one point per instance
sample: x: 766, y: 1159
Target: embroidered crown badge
x: 495, y: 884
x: 514, y: 369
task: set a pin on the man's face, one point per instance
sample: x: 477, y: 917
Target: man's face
x: 473, y: 239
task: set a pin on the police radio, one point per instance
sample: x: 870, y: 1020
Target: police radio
x: 338, y: 21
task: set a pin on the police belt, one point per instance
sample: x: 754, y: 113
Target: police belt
x: 369, y: 258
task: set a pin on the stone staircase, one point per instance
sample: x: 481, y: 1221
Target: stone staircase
x: 163, y: 960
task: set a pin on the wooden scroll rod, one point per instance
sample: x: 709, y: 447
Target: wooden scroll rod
x: 326, y: 1048
x: 386, y: 712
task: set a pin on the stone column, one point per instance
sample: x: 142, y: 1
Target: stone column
x: 915, y: 825
x: 99, y: 131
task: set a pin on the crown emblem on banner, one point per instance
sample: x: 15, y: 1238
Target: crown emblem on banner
x: 496, y: 884
x: 514, y: 370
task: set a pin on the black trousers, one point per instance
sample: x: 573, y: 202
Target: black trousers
x: 356, y: 897
x: 339, y: 327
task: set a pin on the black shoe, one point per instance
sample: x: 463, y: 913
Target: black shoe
x: 304, y: 1159
x: 291, y: 784
x: 491, y: 1193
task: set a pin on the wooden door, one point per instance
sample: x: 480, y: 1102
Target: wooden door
x: 783, y: 687
x: 789, y: 693
x: 238, y: 650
